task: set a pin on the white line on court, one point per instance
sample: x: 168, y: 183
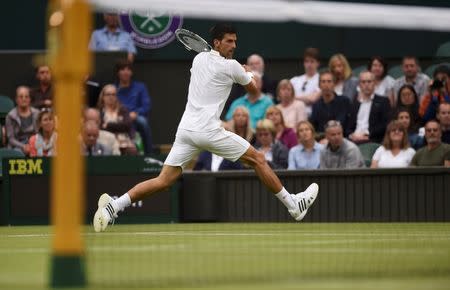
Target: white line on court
x: 427, y: 235
x: 189, y: 249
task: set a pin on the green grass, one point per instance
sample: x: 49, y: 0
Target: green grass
x: 241, y: 256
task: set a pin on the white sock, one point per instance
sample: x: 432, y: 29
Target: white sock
x: 122, y: 202
x: 285, y: 197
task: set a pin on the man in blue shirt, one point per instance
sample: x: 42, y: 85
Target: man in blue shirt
x: 112, y: 38
x: 256, y: 104
x: 134, y: 96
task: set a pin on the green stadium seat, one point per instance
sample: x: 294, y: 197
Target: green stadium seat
x: 6, y: 153
x: 430, y: 70
x: 357, y: 70
x: 6, y: 105
x: 443, y: 50
x: 367, y: 150
x: 396, y: 71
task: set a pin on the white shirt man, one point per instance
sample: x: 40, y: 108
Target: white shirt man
x: 306, y: 86
x: 211, y: 79
x: 362, y: 121
x: 212, y: 75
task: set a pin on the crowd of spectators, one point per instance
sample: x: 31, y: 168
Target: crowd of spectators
x: 326, y: 117
x: 320, y: 119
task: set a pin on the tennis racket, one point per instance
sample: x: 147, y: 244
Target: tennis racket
x: 192, y: 41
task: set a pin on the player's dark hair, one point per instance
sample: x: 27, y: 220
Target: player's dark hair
x: 219, y: 30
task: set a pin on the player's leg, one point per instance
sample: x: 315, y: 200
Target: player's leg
x: 258, y: 162
x: 109, y: 207
x: 297, y: 204
x: 169, y: 174
x: 180, y: 154
x: 233, y: 147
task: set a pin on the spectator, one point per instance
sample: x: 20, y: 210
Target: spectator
x: 345, y: 84
x: 407, y: 98
x: 330, y: 106
x: 257, y: 104
x: 256, y: 64
x: 442, y: 73
x: 369, y: 114
x: 306, y: 86
x: 90, y: 144
x: 412, y: 76
x: 21, y: 122
x: 43, y: 143
x: 42, y: 95
x: 404, y: 116
x: 435, y: 152
x: 115, y: 119
x: 240, y: 124
x: 107, y: 139
x: 134, y: 96
x: 276, y: 154
x: 443, y: 116
x: 395, y: 151
x: 306, y: 155
x: 293, y: 110
x: 212, y: 162
x: 283, y: 134
x: 112, y: 38
x: 340, y: 152
x: 383, y: 82
x: 447, y: 160
x: 430, y: 102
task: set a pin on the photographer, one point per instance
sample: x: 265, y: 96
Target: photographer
x: 438, y: 93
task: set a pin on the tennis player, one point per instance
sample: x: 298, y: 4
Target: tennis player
x: 212, y: 76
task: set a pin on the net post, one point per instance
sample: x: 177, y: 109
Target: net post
x: 68, y: 36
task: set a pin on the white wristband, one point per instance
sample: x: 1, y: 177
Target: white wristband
x: 250, y: 74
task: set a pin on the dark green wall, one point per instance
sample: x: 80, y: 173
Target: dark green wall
x: 23, y: 23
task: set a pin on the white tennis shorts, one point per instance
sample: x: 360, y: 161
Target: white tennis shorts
x: 189, y: 144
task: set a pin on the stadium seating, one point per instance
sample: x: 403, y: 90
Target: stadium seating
x: 396, y: 71
x: 430, y: 70
x: 367, y: 150
x: 443, y: 50
x: 357, y: 70
x: 6, y: 105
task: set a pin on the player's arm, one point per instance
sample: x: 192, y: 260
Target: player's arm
x: 242, y: 75
x: 251, y: 86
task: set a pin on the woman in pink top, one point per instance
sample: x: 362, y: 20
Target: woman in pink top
x: 293, y: 110
x: 284, y: 134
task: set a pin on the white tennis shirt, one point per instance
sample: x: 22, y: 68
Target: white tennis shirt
x: 212, y: 77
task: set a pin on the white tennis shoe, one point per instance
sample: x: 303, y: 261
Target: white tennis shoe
x: 105, y: 213
x: 303, y: 201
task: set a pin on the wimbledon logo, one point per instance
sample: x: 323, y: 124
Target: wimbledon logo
x: 151, y: 30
